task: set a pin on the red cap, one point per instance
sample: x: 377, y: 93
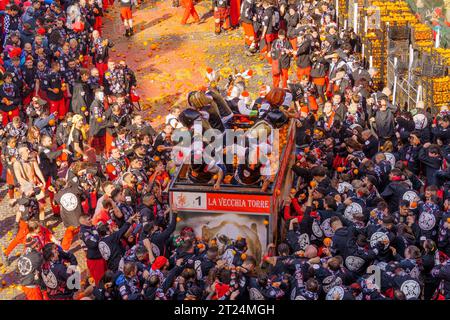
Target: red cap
x: 159, y: 263
x: 15, y: 52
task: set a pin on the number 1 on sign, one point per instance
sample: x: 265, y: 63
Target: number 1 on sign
x: 189, y: 200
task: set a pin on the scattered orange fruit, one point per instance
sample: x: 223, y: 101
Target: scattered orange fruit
x: 313, y: 184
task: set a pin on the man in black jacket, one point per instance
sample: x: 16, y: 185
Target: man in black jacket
x: 82, y: 95
x: 47, y: 158
x: 370, y: 147
x: 59, y: 272
x: 395, y: 189
x: 159, y: 237
x: 341, y: 237
x: 110, y: 245
x: 94, y: 260
x: 430, y: 156
x: 29, y: 267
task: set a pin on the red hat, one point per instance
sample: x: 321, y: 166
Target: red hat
x: 78, y: 26
x: 15, y: 52
x: 29, y: 58
x: 159, y: 263
x: 41, y: 31
x: 221, y: 289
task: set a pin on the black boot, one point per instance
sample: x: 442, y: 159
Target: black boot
x: 131, y: 32
x: 127, y: 33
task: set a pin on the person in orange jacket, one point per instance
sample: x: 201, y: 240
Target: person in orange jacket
x: 189, y: 10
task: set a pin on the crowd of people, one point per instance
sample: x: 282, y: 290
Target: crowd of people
x: 370, y: 185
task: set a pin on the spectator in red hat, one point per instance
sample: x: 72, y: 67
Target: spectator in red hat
x: 159, y: 263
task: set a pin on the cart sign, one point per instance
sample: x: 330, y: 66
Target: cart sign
x: 222, y: 202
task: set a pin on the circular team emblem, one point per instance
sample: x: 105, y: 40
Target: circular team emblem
x: 303, y: 241
x: 50, y: 280
x: 351, y: 210
x: 343, y: 186
x: 335, y: 293
x: 409, y: 196
x: 104, y: 249
x: 427, y: 221
x: 390, y: 157
x: 255, y: 294
x: 326, y: 228
x: 25, y: 266
x: 411, y: 289
x: 69, y: 201
x: 316, y: 229
x: 330, y: 282
x: 354, y: 263
x: 379, y: 237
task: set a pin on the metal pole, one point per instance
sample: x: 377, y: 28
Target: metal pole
x: 419, y: 94
x: 337, y: 12
x: 365, y: 24
x: 394, y: 95
x: 438, y: 38
x: 411, y: 60
x: 355, y: 17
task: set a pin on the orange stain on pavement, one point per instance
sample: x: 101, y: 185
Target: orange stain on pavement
x: 170, y: 59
